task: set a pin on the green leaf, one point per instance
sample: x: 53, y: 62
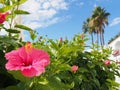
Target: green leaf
x: 83, y: 70
x: 54, y: 45
x: 66, y: 50
x: 12, y: 88
x: 113, y: 83
x: 21, y: 1
x: 10, y: 16
x: 33, y: 35
x: 12, y: 31
x: 2, y: 1
x: 96, y: 81
x: 23, y: 27
x: 53, y: 83
x: 1, y: 25
x: 43, y: 81
x: 21, y: 12
x: 56, y: 84
x: 4, y: 9
x: 17, y: 75
x: 63, y: 67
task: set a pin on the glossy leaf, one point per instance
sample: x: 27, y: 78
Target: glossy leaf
x: 12, y: 31
x: 12, y: 88
x: 17, y: 75
x: 33, y: 35
x: 21, y: 12
x: 6, y: 8
x: 23, y: 27
x: 21, y: 1
x: 2, y: 1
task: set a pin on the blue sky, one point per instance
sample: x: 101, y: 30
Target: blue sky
x: 64, y: 18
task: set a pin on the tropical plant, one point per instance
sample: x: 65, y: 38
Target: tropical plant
x: 8, y: 12
x: 47, y: 64
x: 88, y: 29
x: 99, y: 19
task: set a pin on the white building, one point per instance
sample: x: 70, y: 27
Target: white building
x: 115, y: 45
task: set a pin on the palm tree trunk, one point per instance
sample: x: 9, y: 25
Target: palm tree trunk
x: 103, y: 39
x: 97, y: 38
x: 92, y: 38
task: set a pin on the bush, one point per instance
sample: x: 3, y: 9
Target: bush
x: 71, y: 67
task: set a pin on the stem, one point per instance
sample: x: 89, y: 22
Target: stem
x: 12, y: 17
x: 32, y: 83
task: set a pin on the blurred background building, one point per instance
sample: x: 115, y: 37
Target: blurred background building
x: 114, y: 43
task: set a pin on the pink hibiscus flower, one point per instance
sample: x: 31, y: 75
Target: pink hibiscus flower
x: 118, y: 62
x: 74, y: 68
x: 107, y: 62
x: 116, y: 52
x: 30, y: 61
x: 3, y: 17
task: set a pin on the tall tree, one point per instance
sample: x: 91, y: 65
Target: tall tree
x: 87, y: 29
x: 99, y: 19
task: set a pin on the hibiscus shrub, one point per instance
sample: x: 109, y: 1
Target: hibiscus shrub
x: 6, y: 44
x: 9, y: 10
x: 47, y: 64
x: 72, y: 67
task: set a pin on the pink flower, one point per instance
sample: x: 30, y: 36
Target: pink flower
x: 30, y: 61
x: 116, y: 52
x: 3, y: 17
x: 107, y: 62
x: 74, y: 68
x: 118, y: 62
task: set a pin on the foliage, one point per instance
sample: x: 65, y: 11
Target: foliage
x: 92, y: 73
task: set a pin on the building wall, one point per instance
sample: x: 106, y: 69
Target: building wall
x: 18, y: 20
x: 115, y: 45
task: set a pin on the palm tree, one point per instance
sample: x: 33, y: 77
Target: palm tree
x: 87, y: 29
x: 99, y: 19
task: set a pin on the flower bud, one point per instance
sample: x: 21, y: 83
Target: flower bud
x: 74, y: 68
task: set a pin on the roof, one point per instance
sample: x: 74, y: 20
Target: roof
x: 114, y: 38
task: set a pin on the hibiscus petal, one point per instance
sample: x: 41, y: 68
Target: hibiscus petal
x: 40, y: 69
x: 40, y: 62
x: 11, y: 55
x: 35, y: 54
x: 22, y: 53
x: 30, y: 71
x: 13, y: 65
x: 40, y: 56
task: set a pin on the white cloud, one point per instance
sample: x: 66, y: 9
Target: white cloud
x: 43, y: 12
x: 46, y: 23
x: 79, y: 4
x: 115, y: 21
